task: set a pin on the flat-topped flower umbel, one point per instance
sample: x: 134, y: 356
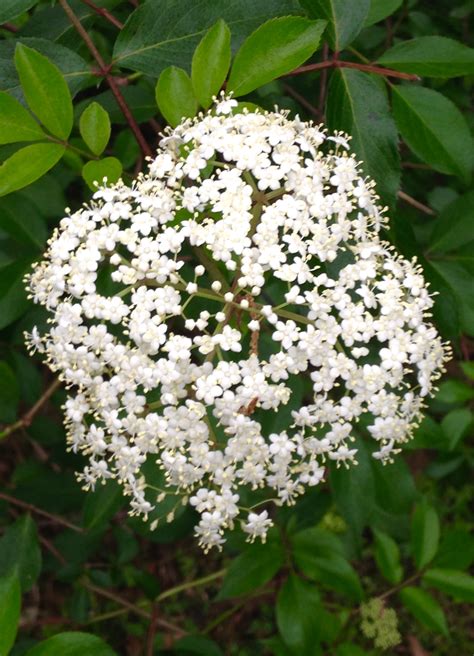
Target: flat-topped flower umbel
x: 189, y: 310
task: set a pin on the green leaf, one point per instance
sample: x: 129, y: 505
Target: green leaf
x: 20, y: 552
x: 434, y: 129
x: 159, y: 33
x: 380, y: 9
x: 74, y: 68
x: 456, y: 550
x: 387, y: 557
x: 96, y: 170
x: 196, y: 644
x: 357, y: 104
x: 425, y: 609
x: 428, y: 435
x: 458, y: 585
x: 52, y: 23
x: 13, y: 300
x: 431, y: 56
x: 335, y: 572
x: 424, y: 534
x: 446, y: 309
x: 175, y: 96
x: 275, y: 48
x: 353, y: 490
x: 94, y: 126
x: 102, y: 504
x: 315, y: 542
x: 27, y: 165
x: 72, y: 643
x: 459, y: 279
x: 211, y: 61
x: 10, y: 606
x: 346, y: 19
x: 10, y: 9
x: 454, y: 391
x: 395, y: 489
x: 468, y: 369
x: 16, y: 124
x: 454, y: 227
x: 257, y: 565
x: 140, y: 99
x: 9, y: 394
x: 349, y: 649
x: 45, y: 90
x: 20, y: 220
x: 297, y: 609
x: 319, y: 555
x: 455, y: 425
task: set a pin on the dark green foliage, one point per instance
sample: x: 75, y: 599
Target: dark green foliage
x: 89, y: 579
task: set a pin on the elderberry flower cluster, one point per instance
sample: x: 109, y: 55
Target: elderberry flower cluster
x: 231, y: 317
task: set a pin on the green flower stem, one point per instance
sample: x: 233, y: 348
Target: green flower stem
x: 210, y: 266
x: 188, y: 585
x: 223, y: 616
x: 142, y: 607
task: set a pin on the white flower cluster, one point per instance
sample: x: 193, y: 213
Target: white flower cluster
x: 187, y: 308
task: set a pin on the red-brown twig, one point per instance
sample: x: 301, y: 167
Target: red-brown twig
x: 26, y: 420
x: 339, y: 63
x: 308, y: 68
x: 415, y: 203
x: 151, y: 632
x: 302, y: 101
x: 113, y: 596
x: 415, y: 647
x: 49, y: 546
x: 39, y: 511
x: 104, y: 70
x: 323, y: 82
x: 9, y: 27
x: 104, y: 13
x: 141, y: 612
x: 415, y: 165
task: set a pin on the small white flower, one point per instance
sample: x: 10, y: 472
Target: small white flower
x: 191, y: 376
x: 257, y: 526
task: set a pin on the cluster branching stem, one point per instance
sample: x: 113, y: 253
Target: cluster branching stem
x: 104, y: 71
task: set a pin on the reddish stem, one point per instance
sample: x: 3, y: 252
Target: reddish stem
x: 415, y: 203
x: 39, y: 511
x: 152, y: 627
x: 9, y: 27
x: 104, y: 13
x: 323, y: 82
x: 379, y: 70
x: 311, y: 67
x: 303, y: 101
x: 104, y: 70
x: 338, y: 63
x: 26, y: 420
